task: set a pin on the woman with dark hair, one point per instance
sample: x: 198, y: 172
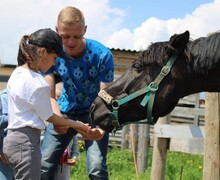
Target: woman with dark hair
x: 29, y: 104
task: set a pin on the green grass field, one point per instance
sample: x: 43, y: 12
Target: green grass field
x: 121, y: 166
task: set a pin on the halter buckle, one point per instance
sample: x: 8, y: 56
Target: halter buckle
x: 165, y: 70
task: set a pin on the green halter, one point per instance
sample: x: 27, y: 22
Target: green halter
x: 148, y: 99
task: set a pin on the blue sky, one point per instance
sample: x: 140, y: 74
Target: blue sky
x: 119, y: 24
x: 138, y: 11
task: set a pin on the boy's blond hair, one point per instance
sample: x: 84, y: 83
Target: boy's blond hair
x: 71, y: 15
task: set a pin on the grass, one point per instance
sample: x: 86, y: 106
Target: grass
x: 121, y: 166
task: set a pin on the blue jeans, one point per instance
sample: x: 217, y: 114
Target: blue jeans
x: 73, y: 148
x: 54, y: 144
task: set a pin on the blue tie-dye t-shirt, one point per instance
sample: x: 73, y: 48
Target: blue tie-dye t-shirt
x: 81, y: 77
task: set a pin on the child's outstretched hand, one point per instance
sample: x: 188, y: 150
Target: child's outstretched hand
x: 93, y: 134
x: 81, y: 127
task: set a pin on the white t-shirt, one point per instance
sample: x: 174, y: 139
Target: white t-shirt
x: 28, y: 99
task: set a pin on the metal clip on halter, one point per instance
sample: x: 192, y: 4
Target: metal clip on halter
x: 114, y: 115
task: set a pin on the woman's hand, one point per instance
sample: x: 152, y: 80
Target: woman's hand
x: 93, y: 134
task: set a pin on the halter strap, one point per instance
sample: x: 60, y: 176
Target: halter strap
x: 148, y: 100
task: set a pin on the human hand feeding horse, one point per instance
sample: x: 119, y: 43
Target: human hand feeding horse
x: 163, y: 73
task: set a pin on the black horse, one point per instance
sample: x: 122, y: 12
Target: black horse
x: 163, y: 73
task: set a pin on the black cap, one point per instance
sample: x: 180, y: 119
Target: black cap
x: 50, y: 40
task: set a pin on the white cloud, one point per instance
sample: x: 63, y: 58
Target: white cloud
x: 121, y: 39
x: 19, y: 17
x: 203, y: 20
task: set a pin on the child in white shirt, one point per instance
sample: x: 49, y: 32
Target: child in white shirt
x: 29, y: 105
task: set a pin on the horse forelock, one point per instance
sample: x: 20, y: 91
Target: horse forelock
x: 156, y: 54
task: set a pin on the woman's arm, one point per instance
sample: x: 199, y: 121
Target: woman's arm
x: 58, y: 120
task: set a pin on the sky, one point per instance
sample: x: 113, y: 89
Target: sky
x: 118, y: 24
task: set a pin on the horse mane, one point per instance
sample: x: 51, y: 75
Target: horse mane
x: 202, y: 54
x: 205, y: 52
x: 156, y: 54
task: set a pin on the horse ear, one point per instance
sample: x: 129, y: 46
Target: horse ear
x: 179, y: 41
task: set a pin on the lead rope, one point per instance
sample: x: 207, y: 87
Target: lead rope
x: 133, y: 152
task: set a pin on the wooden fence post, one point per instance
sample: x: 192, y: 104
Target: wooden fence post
x: 143, y: 147
x: 196, y: 116
x: 125, y: 137
x: 159, y: 153
x: 134, y: 130
x: 211, y: 168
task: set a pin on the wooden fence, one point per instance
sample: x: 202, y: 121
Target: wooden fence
x: 164, y: 132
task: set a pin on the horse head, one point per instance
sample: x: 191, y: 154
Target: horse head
x: 195, y: 68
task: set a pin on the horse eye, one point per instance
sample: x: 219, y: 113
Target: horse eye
x: 136, y: 65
